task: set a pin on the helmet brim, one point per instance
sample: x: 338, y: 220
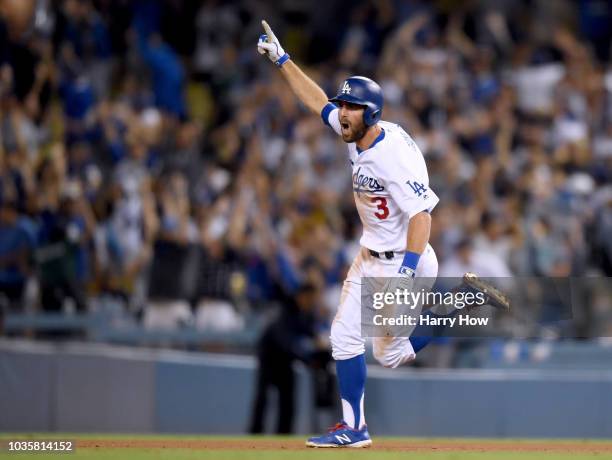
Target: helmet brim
x: 348, y: 98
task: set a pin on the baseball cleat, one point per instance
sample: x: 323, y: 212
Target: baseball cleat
x: 494, y: 296
x: 342, y: 435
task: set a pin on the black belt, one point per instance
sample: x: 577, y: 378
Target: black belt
x: 387, y: 254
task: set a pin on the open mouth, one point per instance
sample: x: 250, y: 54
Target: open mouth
x: 344, y: 125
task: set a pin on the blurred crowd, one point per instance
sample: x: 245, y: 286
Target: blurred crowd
x: 145, y: 143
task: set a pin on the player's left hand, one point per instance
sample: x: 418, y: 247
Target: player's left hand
x: 269, y: 44
x: 400, y: 282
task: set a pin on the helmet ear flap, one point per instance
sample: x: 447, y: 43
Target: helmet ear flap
x: 370, y: 116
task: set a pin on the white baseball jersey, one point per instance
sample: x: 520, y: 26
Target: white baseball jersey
x: 390, y: 184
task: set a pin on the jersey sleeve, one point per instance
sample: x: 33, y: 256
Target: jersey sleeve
x: 329, y: 114
x: 411, y: 192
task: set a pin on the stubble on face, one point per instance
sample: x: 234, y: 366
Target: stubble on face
x: 352, y: 128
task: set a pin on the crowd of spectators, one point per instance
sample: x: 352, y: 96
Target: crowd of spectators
x: 131, y: 127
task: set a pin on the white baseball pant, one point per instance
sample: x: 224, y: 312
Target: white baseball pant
x: 346, y: 339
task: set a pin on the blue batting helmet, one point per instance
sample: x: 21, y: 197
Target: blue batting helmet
x: 362, y: 91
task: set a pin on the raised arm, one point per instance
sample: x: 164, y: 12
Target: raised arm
x: 307, y: 91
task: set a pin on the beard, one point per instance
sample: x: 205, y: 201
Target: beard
x: 354, y: 134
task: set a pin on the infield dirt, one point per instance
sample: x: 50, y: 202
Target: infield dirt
x: 393, y: 445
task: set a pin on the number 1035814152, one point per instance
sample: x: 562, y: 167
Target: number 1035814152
x: 53, y: 445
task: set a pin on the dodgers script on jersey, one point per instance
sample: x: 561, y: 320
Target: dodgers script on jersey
x: 390, y: 185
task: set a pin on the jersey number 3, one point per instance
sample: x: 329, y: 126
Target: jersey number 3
x: 383, y: 210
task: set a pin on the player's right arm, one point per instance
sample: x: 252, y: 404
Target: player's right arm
x: 307, y: 91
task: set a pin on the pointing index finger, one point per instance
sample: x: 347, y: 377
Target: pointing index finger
x: 268, y: 30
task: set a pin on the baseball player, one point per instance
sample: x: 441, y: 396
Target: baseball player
x: 394, y: 201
